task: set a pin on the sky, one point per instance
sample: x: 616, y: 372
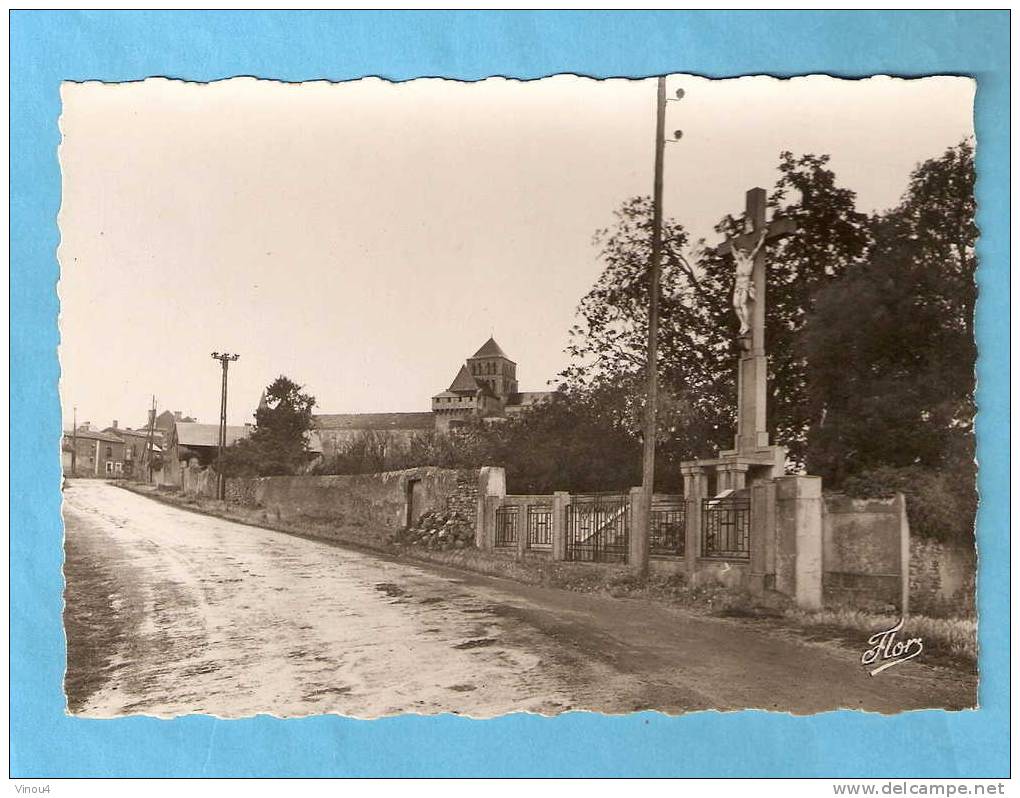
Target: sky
x: 365, y: 238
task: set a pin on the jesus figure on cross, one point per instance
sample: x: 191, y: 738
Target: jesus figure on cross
x: 743, y: 288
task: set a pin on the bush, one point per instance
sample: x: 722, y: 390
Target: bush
x: 941, y: 505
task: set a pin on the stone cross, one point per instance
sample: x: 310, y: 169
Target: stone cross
x: 752, y: 432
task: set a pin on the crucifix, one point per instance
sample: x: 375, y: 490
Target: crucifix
x: 748, y: 251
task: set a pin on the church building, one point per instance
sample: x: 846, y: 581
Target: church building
x: 485, y: 388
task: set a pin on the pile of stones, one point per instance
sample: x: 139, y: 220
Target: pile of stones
x: 448, y: 529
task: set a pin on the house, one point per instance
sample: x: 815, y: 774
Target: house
x: 89, y: 452
x: 136, y: 443
x: 165, y: 421
x: 191, y: 443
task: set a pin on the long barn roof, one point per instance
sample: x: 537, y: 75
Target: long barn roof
x: 379, y: 421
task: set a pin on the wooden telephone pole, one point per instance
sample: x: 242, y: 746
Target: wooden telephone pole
x: 225, y: 360
x: 149, y: 440
x: 642, y: 523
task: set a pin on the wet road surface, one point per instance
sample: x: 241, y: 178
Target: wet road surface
x: 170, y: 612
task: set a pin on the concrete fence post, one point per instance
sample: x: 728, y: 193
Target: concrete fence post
x: 695, y: 489
x: 635, y: 545
x: 522, y: 531
x: 763, y: 536
x: 488, y: 529
x: 799, y: 539
x: 561, y: 499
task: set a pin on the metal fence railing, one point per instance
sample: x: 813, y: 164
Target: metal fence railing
x: 598, y: 528
x: 726, y: 528
x: 668, y: 529
x: 506, y: 526
x: 539, y: 526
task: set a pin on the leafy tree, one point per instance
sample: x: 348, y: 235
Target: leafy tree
x: 278, y: 445
x: 697, y: 357
x: 891, y: 344
x: 567, y: 443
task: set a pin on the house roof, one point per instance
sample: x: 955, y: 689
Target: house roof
x: 134, y: 433
x: 380, y: 421
x: 93, y: 435
x: 490, y: 349
x: 193, y: 434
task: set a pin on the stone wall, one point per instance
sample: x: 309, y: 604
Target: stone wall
x: 372, y: 506
x: 464, y: 499
x: 862, y: 551
x: 241, y: 491
x: 941, y: 578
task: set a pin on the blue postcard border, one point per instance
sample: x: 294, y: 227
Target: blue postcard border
x: 47, y: 47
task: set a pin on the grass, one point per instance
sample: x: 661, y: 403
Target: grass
x: 949, y: 641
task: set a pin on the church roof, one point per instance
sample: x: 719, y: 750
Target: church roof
x: 490, y: 349
x: 464, y: 381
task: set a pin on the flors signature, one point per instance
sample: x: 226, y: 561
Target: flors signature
x: 889, y: 651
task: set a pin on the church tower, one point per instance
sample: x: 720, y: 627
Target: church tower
x: 491, y: 366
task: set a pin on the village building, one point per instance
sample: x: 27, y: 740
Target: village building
x: 485, y: 387
x: 189, y: 443
x: 165, y: 421
x: 89, y: 452
x: 137, y: 442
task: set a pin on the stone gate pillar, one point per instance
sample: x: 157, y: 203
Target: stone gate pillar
x: 491, y: 482
x: 799, y: 539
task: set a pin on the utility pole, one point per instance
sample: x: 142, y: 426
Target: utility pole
x: 74, y: 441
x: 642, y: 523
x: 225, y: 360
x: 149, y: 440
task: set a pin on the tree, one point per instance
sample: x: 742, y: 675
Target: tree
x: 891, y: 344
x: 278, y: 445
x: 697, y: 326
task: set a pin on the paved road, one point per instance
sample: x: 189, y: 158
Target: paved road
x: 170, y: 612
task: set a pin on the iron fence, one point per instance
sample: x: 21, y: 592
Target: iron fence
x: 668, y: 529
x: 539, y: 526
x: 506, y: 526
x: 598, y: 528
x: 726, y: 528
